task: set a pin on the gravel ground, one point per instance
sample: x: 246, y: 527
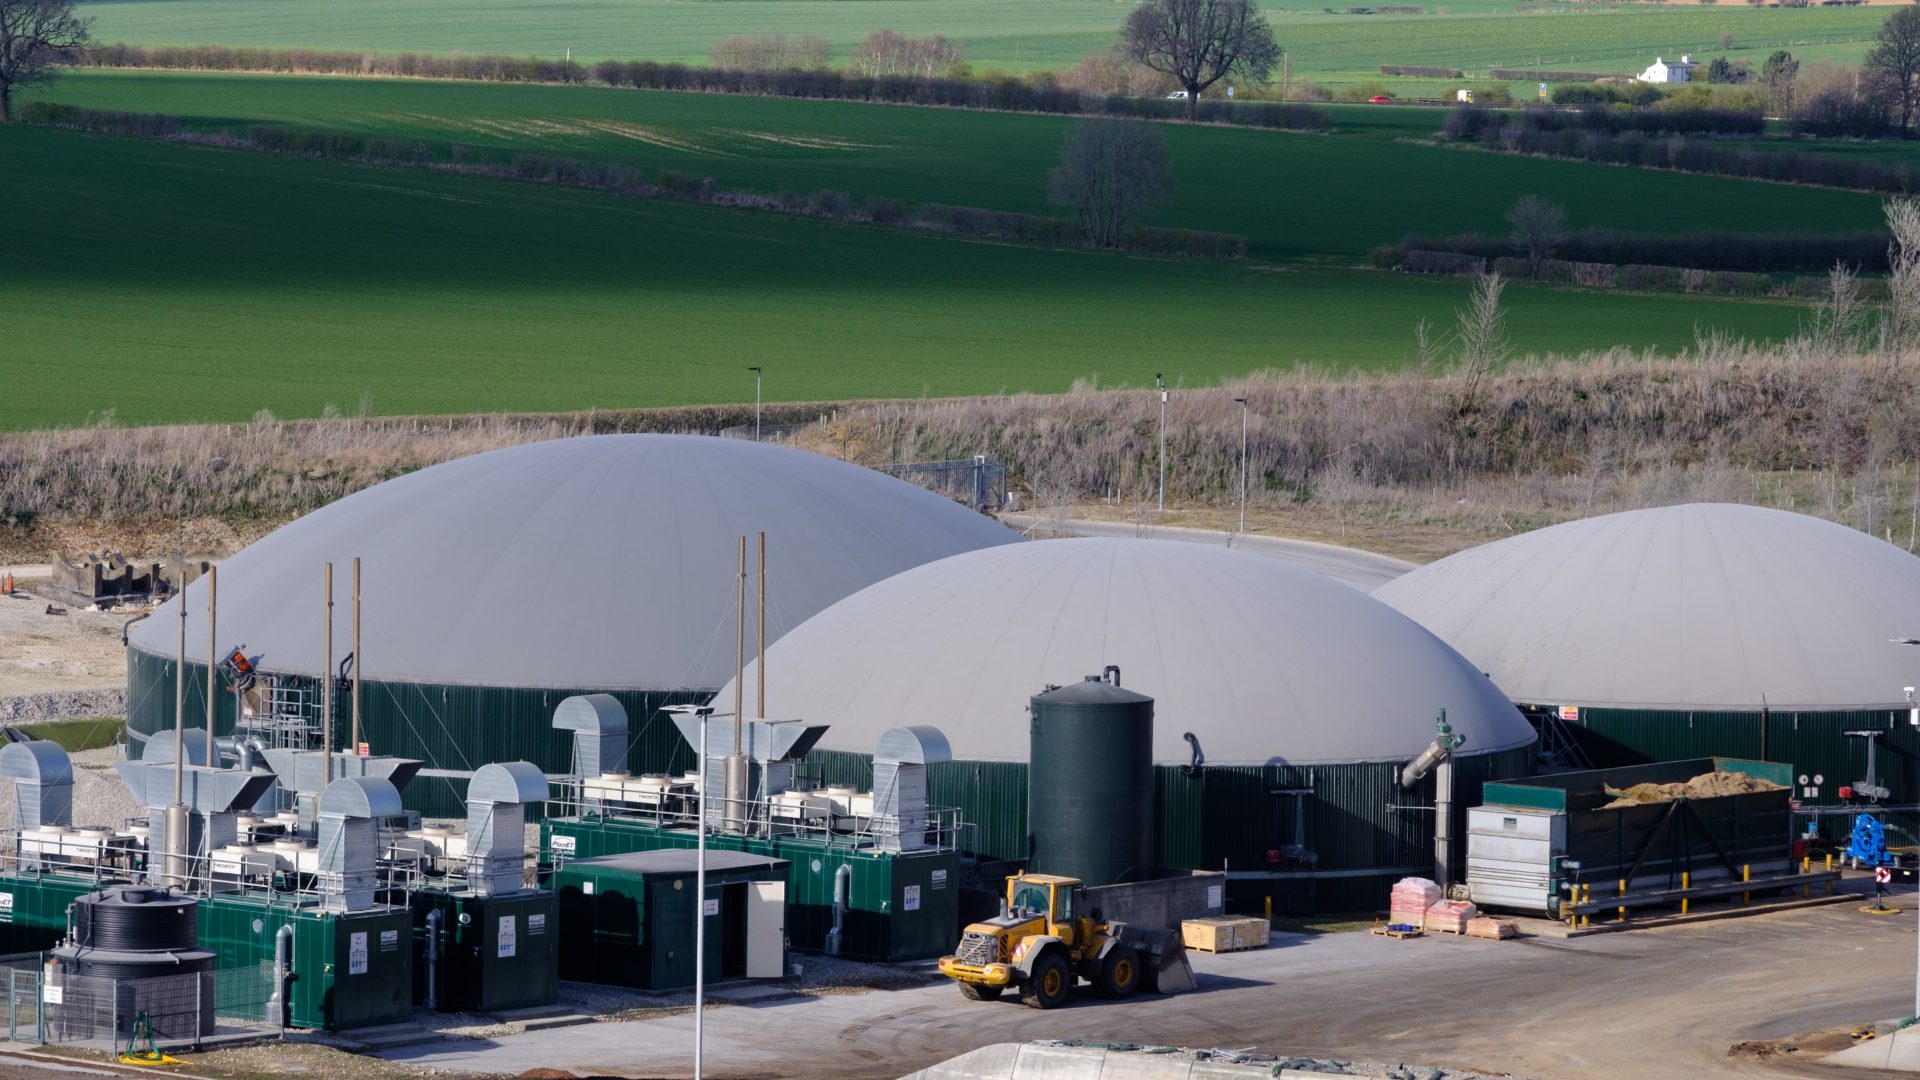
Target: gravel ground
x: 63, y: 705
x: 308, y: 1058
x: 50, y: 654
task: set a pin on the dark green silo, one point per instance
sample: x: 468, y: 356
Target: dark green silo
x: 1090, y: 782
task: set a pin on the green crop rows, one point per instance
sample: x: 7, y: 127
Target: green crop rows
x: 1299, y: 198
x: 178, y: 283
x: 1014, y: 34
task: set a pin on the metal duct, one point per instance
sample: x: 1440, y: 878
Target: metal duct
x: 211, y: 796
x: 42, y: 776
x: 770, y: 747
x: 304, y: 772
x: 497, y: 801
x: 349, y: 846
x: 163, y: 748
x: 599, y: 726
x: 900, y: 761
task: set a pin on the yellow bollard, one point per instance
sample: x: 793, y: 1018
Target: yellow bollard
x: 1623, y: 908
x: 1686, y: 882
x: 1829, y: 870
x: 1746, y: 875
x: 1269, y: 911
x: 1806, y: 867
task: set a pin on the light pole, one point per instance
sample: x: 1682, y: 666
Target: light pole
x: 1162, y: 385
x: 758, y: 374
x: 1913, y: 717
x: 700, y: 713
x: 1243, y: 462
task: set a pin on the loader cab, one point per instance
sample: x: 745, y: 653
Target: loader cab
x: 1045, y: 896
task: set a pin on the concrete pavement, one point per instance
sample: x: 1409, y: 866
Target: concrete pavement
x: 1365, y: 570
x: 1659, y: 1002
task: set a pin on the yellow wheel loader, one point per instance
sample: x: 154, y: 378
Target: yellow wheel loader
x: 1040, y: 945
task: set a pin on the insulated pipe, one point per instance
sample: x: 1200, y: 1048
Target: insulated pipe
x: 434, y: 919
x: 213, y: 648
x: 283, y: 973
x: 326, y: 687
x: 842, y: 885
x: 356, y: 655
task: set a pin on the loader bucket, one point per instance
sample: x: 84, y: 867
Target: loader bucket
x: 1163, y: 960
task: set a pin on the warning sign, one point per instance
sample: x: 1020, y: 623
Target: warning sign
x: 537, y: 924
x: 910, y: 898
x: 1882, y: 875
x: 389, y: 941
x: 507, y: 944
x: 1570, y: 713
x: 357, y: 953
x: 939, y: 879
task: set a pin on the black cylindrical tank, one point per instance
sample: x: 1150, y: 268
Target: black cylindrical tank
x: 134, y: 949
x: 1090, y: 782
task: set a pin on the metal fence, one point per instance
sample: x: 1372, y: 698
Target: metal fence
x: 43, y: 1005
x: 979, y: 482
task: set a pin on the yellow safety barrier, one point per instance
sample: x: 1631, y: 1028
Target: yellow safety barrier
x: 1623, y: 908
x: 1686, y: 882
x: 1746, y: 875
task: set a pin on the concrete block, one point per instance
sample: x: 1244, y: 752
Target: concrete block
x: 1132, y: 1066
x: 1058, y: 1063
x: 994, y: 1062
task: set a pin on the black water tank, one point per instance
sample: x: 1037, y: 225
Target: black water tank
x: 134, y: 949
x: 1090, y: 782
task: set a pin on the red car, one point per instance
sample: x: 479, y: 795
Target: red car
x: 1379, y: 99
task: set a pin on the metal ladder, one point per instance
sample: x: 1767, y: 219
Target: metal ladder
x: 1557, y: 750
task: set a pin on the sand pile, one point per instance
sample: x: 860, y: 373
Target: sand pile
x: 1704, y: 786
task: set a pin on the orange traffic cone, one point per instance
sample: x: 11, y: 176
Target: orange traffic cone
x: 7, y: 586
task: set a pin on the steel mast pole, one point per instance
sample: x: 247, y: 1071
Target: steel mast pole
x: 356, y: 654
x: 326, y: 687
x: 1162, y: 384
x: 700, y: 906
x: 213, y: 647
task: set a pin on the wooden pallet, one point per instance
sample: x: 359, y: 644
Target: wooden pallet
x: 1387, y: 932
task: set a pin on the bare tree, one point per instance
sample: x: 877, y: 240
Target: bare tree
x: 884, y: 52
x: 1900, y: 322
x: 1538, y: 227
x: 1895, y: 61
x: 1837, y: 320
x: 1200, y: 42
x: 1481, y: 340
x: 1108, y: 170
x: 36, y: 37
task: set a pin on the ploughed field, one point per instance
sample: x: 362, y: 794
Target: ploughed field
x: 178, y: 283
x: 1007, y: 34
x: 1299, y: 198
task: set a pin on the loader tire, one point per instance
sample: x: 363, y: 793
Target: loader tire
x: 980, y: 991
x: 1047, y: 987
x: 1119, y: 973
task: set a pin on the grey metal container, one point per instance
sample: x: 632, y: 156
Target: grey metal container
x: 1090, y: 782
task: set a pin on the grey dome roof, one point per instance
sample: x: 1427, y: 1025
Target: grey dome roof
x: 1264, y: 662
x: 605, y: 562
x: 1705, y: 606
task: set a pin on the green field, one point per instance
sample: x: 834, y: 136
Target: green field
x: 1299, y: 198
x: 177, y: 283
x: 1010, y: 34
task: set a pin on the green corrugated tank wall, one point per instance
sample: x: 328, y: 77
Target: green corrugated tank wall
x: 1812, y: 742
x: 1227, y: 817
x: 451, y: 727
x: 901, y: 907
x: 328, y: 992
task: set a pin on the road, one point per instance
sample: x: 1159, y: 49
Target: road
x: 1365, y: 570
x: 1663, y: 1002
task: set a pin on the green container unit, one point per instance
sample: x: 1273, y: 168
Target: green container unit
x: 350, y: 970
x: 495, y: 952
x: 628, y: 920
x: 33, y: 909
x: 901, y: 906
x: 1652, y: 844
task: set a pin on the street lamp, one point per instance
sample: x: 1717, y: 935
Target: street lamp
x: 1913, y: 717
x: 1162, y: 385
x: 758, y: 374
x: 1243, y: 462
x: 700, y: 713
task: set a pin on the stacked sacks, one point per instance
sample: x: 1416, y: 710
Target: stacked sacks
x: 1410, y: 900
x: 1451, y: 916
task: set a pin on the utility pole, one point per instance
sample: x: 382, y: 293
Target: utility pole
x: 1162, y: 385
x: 1243, y: 462
x: 356, y: 656
x: 758, y: 374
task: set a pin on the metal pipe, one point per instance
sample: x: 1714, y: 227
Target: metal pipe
x: 735, y: 791
x: 434, y: 918
x: 1162, y: 384
x: 761, y: 663
x: 213, y: 649
x: 356, y: 654
x: 326, y: 687
x: 700, y: 892
x: 175, y: 861
x: 842, y: 885
x: 282, y: 975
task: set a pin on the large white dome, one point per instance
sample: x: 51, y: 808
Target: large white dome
x: 1704, y: 606
x: 1265, y: 663
x: 605, y: 562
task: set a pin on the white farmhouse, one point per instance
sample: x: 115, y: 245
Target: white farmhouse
x: 1680, y: 70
